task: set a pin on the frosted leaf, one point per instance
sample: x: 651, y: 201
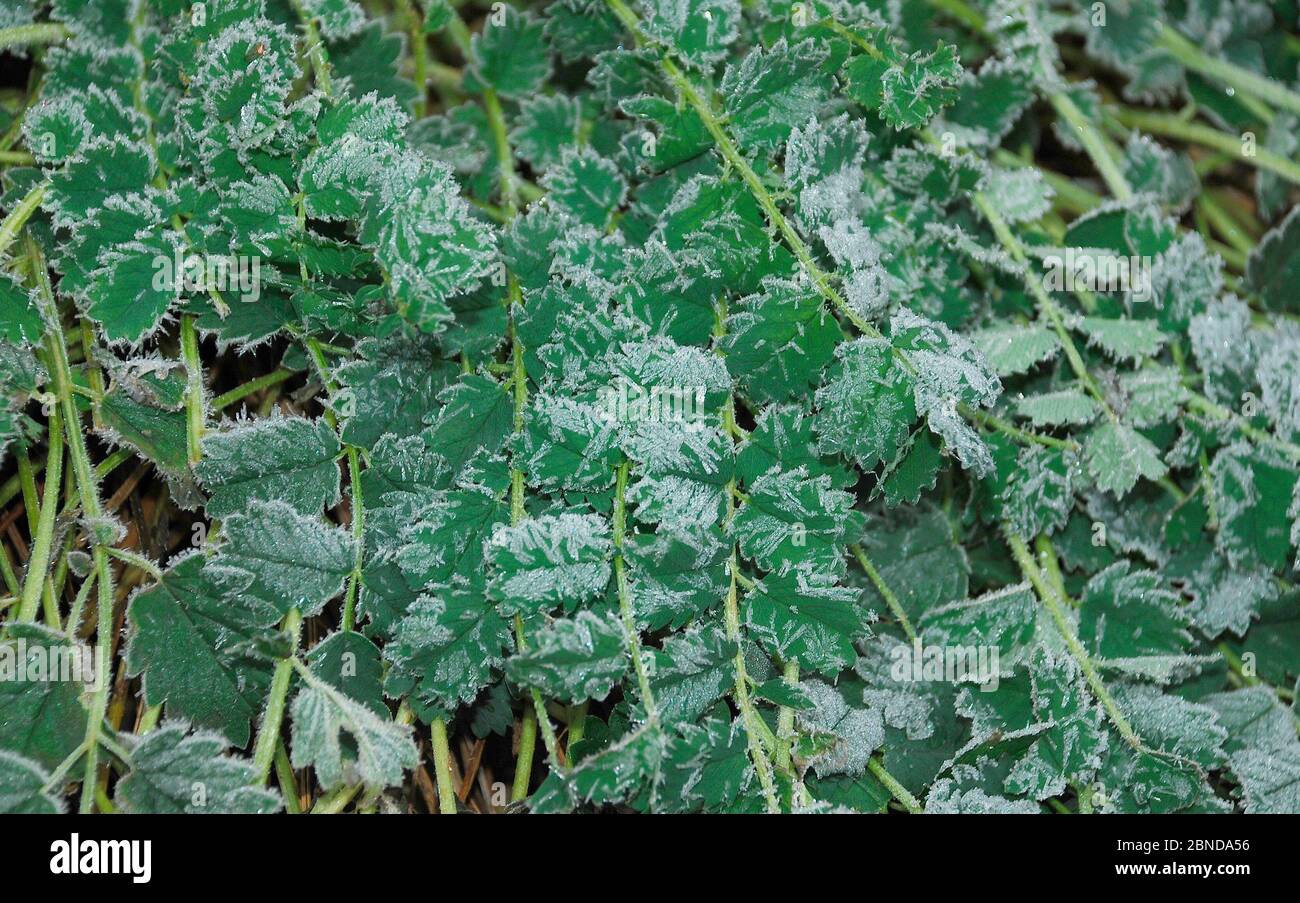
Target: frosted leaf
x: 946, y: 798
x: 543, y: 562
x: 850, y: 733
x: 694, y: 670
x: 866, y: 407
x: 338, y: 18
x: 1225, y: 598
x: 283, y: 558
x: 1254, y: 718
x: 1117, y: 455
x: 1270, y: 780
x: 1185, y: 277
x: 1021, y: 195
x: 573, y: 659
x: 824, y: 166
x: 384, y: 750
x: 949, y: 367
x: 1164, y: 173
x: 903, y: 704
x: 1278, y: 373
x: 699, y: 30
x: 289, y: 459
x: 168, y: 766
x: 1173, y: 724
x: 1065, y: 407
x: 771, y: 91
x: 1016, y: 349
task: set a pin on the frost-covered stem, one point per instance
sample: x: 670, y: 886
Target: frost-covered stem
x: 442, y: 766
x: 1243, y: 80
x: 1050, y: 565
x: 358, y: 537
x: 88, y: 491
x: 18, y: 217
x: 749, y: 717
x: 38, y: 562
x: 895, y: 607
x: 288, y: 782
x: 1095, y: 144
x: 1172, y: 126
x: 1046, y: 305
x: 268, y: 732
x: 505, y: 159
x: 625, y: 597
x: 1205, y: 406
x: 314, y: 47
x: 239, y: 393
x: 1024, y: 436
x: 194, y: 402
x: 137, y: 561
x: 785, y: 720
x: 527, y: 747
x: 79, y: 605
x: 419, y: 54
x: 897, y: 790
x: 37, y: 33
x: 1055, y: 606
x: 16, y: 158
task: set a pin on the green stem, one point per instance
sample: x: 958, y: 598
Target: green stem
x: 288, y: 782
x: 39, y: 561
x: 886, y: 593
x: 1056, y: 608
x: 1243, y: 80
x: 419, y: 54
x: 1095, y: 144
x: 21, y: 213
x: 896, y: 789
x: 1173, y: 126
x: 239, y: 393
x: 785, y: 735
x: 442, y: 767
x: 194, y: 403
x: 527, y: 749
x: 88, y: 490
x: 268, y: 732
x: 137, y: 561
x: 358, y: 537
x: 625, y: 598
x: 37, y: 33
x: 749, y: 717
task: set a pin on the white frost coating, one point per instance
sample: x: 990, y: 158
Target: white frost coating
x: 857, y: 732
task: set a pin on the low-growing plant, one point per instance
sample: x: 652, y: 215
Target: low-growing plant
x: 691, y: 406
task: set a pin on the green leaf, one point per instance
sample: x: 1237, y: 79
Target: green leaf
x: 1117, y: 455
x: 22, y: 788
x: 548, y: 561
x: 769, y: 92
x: 866, y: 407
x: 1273, y: 267
x: 699, y: 31
x: 203, y: 648
x: 283, y: 459
x: 175, y: 772
x: 1016, y: 349
x: 573, y: 659
x: 779, y: 341
x: 444, y: 650
x: 20, y: 319
x: 806, y: 616
x: 1123, y: 339
x: 693, y: 671
x: 384, y: 749
x: 510, y: 54
x: 41, y: 681
x: 283, y: 558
